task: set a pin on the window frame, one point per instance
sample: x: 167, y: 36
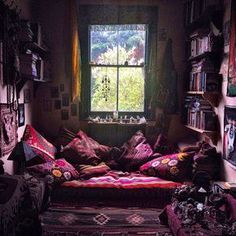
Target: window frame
x: 118, y: 66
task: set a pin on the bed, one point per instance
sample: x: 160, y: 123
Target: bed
x: 81, y: 171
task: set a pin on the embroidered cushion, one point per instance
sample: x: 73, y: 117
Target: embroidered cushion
x: 44, y: 149
x: 176, y: 167
x: 57, y: 171
x: 135, y: 152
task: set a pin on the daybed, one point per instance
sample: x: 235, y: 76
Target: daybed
x: 83, y: 172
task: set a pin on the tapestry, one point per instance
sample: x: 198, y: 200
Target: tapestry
x: 229, y: 141
x: 8, y: 129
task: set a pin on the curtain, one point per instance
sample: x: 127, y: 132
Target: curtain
x: 72, y: 52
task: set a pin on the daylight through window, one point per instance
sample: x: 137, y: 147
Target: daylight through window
x: 117, y: 67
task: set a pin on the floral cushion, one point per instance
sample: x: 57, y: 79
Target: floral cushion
x: 135, y: 152
x: 57, y: 171
x: 44, y: 149
x: 174, y: 167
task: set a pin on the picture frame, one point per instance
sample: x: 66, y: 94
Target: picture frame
x: 65, y: 100
x: 229, y: 137
x: 57, y: 104
x: 21, y: 114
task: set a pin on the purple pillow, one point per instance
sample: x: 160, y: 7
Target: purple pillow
x: 176, y: 167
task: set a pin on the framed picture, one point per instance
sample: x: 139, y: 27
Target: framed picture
x: 21, y: 114
x: 27, y: 96
x: 62, y: 87
x: 8, y: 129
x: 65, y: 100
x: 57, y: 104
x: 73, y: 108
x: 64, y: 114
x: 54, y: 92
x: 229, y: 140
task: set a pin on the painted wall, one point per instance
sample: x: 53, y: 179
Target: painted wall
x: 228, y: 171
x: 24, y: 5
x: 51, y: 14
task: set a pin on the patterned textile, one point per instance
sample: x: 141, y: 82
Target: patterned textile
x: 102, y: 221
x: 18, y: 216
x: 89, y: 171
x: 57, y: 171
x: 84, y: 150
x: 44, y: 149
x: 135, y: 152
x: 122, y: 180
x: 174, y: 167
x: 64, y: 137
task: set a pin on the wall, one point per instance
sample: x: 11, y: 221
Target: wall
x: 24, y: 5
x: 51, y: 15
x: 228, y: 171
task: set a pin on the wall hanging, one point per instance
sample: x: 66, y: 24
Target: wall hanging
x: 8, y: 129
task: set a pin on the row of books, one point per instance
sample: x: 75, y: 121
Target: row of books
x: 202, y: 119
x: 195, y: 8
x: 200, y: 45
x: 203, y: 81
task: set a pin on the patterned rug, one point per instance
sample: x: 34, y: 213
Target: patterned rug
x: 86, y: 221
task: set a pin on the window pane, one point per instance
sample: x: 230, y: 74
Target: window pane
x: 103, y: 88
x: 132, y: 44
x: 103, y: 40
x: 131, y: 89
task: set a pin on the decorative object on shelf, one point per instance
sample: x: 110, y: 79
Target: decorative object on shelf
x: 105, y: 87
x: 229, y: 146
x: 21, y: 114
x: 8, y: 129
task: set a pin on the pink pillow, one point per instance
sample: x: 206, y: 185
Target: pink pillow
x: 44, y: 149
x: 135, y: 152
x: 176, y: 167
x: 57, y: 171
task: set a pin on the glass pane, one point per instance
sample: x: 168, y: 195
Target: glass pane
x: 132, y: 45
x: 103, y: 41
x: 103, y: 88
x: 131, y: 89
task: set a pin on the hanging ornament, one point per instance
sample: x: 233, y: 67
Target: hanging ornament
x: 105, y: 87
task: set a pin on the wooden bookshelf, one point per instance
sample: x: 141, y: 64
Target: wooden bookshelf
x: 212, y: 97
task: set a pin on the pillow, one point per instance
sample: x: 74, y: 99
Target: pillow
x: 135, y: 152
x: 64, y: 137
x: 101, y: 151
x: 174, y: 167
x: 57, y: 171
x: 163, y: 146
x: 88, y: 171
x: 44, y: 149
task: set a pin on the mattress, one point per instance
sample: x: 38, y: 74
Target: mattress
x: 116, y: 189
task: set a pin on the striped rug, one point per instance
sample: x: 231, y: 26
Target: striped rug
x: 85, y: 221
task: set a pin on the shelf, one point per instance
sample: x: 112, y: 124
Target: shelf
x: 201, y: 56
x: 212, y: 97
x: 212, y: 135
x: 34, y: 47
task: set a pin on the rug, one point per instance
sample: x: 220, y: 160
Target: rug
x: 84, y: 221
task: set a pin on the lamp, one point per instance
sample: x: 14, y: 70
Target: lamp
x: 22, y: 153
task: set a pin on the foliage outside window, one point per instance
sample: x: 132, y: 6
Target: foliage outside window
x: 117, y: 67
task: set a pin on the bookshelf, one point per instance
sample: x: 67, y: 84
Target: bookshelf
x: 204, y: 44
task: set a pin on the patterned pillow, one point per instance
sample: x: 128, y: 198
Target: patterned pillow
x: 174, y: 167
x: 44, y: 149
x: 88, y: 171
x: 57, y: 171
x: 64, y: 137
x: 136, y: 152
x: 78, y: 152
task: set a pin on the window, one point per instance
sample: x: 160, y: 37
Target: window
x: 117, y: 67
